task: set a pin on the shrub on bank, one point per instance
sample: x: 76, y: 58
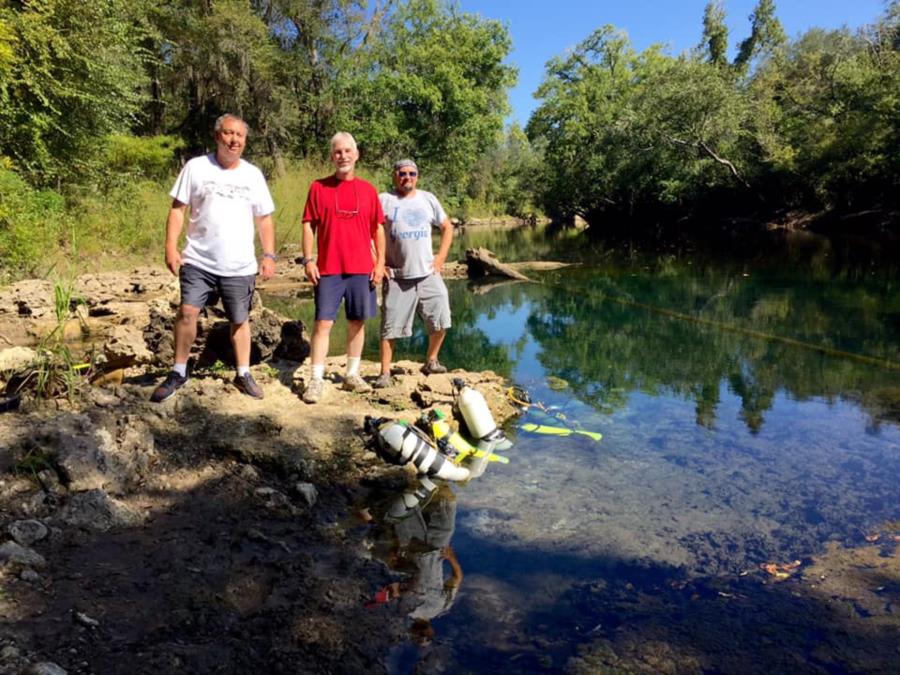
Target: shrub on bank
x: 32, y: 226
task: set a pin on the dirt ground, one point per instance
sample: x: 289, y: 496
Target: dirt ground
x: 209, y: 533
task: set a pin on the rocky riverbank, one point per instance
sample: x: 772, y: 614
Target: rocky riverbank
x: 212, y: 532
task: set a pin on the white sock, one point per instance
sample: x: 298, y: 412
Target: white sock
x: 353, y: 365
x: 180, y: 368
x: 243, y: 370
x: 317, y: 372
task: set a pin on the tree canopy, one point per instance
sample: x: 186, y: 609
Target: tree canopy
x: 809, y: 123
x: 418, y: 77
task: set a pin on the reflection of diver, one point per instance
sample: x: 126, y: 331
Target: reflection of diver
x: 422, y: 522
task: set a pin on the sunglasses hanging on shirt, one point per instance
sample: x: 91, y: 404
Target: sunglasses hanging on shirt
x: 343, y: 213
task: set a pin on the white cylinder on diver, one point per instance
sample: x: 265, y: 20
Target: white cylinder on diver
x: 407, y: 503
x: 483, y: 458
x: 478, y: 417
x: 407, y: 444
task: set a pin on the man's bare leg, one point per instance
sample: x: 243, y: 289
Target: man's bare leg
x: 387, y: 356
x: 185, y: 332
x: 435, y: 340
x: 356, y: 338
x: 318, y: 348
x: 240, y: 340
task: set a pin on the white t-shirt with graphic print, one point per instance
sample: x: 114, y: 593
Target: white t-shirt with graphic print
x: 407, y: 228
x: 223, y: 205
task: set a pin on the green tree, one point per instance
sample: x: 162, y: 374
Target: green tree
x: 826, y: 117
x: 75, y: 76
x: 633, y: 134
x: 217, y: 57
x: 766, y: 35
x: 435, y: 88
x: 506, y: 180
x: 715, y: 33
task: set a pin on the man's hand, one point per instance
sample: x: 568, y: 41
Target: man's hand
x: 438, y: 263
x: 312, y: 272
x: 377, y: 275
x: 173, y: 260
x: 267, y: 268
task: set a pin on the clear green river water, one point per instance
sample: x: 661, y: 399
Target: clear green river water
x: 750, y: 414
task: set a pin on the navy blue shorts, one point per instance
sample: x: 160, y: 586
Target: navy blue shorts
x: 200, y: 288
x: 357, y: 292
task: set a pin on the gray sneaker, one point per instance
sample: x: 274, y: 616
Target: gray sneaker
x: 314, y: 390
x: 355, y: 383
x: 434, y: 367
x: 168, y: 387
x: 247, y: 385
x: 383, y: 382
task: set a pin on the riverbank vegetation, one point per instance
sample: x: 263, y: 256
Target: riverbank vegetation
x: 647, y: 138
x: 102, y: 100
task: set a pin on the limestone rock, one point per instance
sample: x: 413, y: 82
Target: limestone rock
x: 13, y: 553
x: 30, y: 298
x: 45, y: 668
x: 105, y: 451
x: 26, y: 532
x: 16, y: 358
x: 125, y: 347
x: 96, y: 510
x: 29, y: 575
x: 308, y: 492
x: 272, y: 335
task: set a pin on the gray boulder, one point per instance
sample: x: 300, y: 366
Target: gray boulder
x: 15, y: 554
x: 26, y: 532
x: 96, y: 510
x: 104, y: 451
x: 45, y: 668
x: 273, y: 336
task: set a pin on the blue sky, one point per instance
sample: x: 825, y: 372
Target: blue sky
x: 542, y: 30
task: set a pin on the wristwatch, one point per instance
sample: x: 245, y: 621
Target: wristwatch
x: 270, y: 256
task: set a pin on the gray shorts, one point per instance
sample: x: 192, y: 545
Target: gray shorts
x: 200, y: 288
x: 401, y: 298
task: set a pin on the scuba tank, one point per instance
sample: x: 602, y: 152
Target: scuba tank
x: 450, y: 442
x: 482, y: 456
x: 409, y: 502
x: 454, y: 446
x: 402, y: 443
x: 478, y: 416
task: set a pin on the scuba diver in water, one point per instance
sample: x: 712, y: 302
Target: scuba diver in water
x: 420, y: 524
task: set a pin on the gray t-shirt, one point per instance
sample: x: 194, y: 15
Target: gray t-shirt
x: 407, y: 228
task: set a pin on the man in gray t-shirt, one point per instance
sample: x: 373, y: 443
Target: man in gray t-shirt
x: 413, y: 280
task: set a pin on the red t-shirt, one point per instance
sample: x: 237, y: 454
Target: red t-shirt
x: 345, y: 215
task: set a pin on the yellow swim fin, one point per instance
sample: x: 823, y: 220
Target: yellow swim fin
x: 558, y: 431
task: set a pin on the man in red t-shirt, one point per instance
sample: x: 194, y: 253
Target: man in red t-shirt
x: 344, y: 212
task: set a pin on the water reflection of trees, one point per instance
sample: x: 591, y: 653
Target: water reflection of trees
x: 686, y: 334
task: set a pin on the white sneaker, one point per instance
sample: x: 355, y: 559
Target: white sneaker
x: 314, y: 390
x: 355, y: 383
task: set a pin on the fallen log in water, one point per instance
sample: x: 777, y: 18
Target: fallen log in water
x: 481, y: 262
